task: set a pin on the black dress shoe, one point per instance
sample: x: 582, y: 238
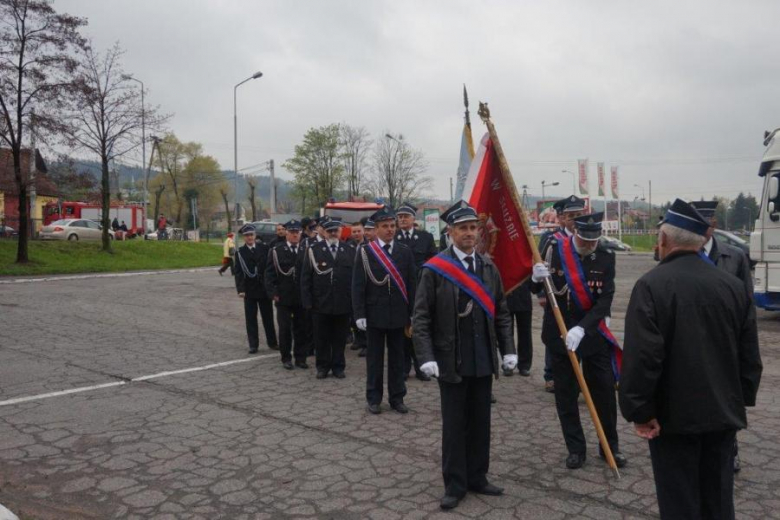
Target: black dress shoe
x: 374, y: 409
x: 400, y: 408
x: 448, y: 502
x: 508, y: 372
x: 524, y: 372
x: 422, y: 376
x: 620, y: 459
x: 355, y: 346
x: 253, y: 351
x: 322, y: 375
x: 362, y: 352
x: 339, y: 375
x: 288, y: 365
x: 575, y: 460
x: 488, y: 489
x: 301, y: 364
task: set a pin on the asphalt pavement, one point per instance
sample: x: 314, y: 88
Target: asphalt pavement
x: 134, y: 397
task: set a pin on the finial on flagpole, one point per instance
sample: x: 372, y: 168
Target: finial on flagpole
x: 466, y: 104
x: 484, y: 112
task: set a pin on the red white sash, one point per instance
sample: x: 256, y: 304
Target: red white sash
x: 387, y: 264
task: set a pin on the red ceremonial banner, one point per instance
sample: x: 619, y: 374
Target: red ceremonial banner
x: 502, y: 237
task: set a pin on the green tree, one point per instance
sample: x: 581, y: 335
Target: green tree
x: 174, y: 156
x: 318, y: 166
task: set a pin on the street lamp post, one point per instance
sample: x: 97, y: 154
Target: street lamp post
x: 545, y: 183
x: 143, y: 148
x: 573, y: 181
x: 235, y: 141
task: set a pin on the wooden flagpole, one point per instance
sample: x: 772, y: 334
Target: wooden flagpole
x: 484, y: 114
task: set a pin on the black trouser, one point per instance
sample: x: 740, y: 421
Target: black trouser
x: 361, y: 338
x: 597, y: 369
x: 267, y: 314
x: 694, y: 475
x: 290, y: 322
x: 330, y: 338
x: 525, y: 342
x: 465, y: 444
x: 375, y: 365
x: 410, y: 358
x: 227, y: 265
x: 307, y: 341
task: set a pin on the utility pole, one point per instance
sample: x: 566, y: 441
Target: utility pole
x: 32, y: 191
x: 273, y: 187
x: 451, y: 190
x: 650, y: 201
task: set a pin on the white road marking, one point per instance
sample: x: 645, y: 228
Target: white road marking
x: 85, y: 276
x: 48, y: 395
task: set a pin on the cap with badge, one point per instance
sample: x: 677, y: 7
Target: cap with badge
x: 292, y: 225
x: 683, y: 215
x: 386, y: 213
x: 247, y: 229
x: 329, y: 223
x: 458, y: 213
x: 573, y: 203
x: 588, y: 227
x: 559, y: 205
x: 706, y: 208
x: 369, y: 224
x: 406, y: 209
x: 306, y: 222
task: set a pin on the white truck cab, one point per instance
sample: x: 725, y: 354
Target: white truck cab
x: 765, y: 240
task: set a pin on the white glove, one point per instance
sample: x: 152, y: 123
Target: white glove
x: 574, y: 337
x: 361, y: 324
x: 607, y: 320
x: 540, y: 272
x: 510, y: 362
x: 430, y: 369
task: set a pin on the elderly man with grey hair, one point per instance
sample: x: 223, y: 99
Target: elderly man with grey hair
x: 690, y: 367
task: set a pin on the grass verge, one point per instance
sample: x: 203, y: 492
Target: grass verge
x: 61, y: 257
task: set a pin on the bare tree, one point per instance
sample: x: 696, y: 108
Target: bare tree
x: 399, y: 171
x: 224, y: 193
x: 36, y: 67
x: 107, y: 116
x: 252, y: 200
x: 356, y: 146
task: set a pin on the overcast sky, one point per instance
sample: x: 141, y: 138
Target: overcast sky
x: 678, y: 93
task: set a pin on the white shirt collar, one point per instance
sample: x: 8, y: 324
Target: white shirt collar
x: 291, y: 245
x: 462, y: 256
x: 568, y: 233
x: 382, y: 244
x: 708, y: 246
x: 405, y: 231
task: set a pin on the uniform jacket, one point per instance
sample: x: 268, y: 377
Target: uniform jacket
x: 599, y: 269
x: 421, y: 243
x: 690, y: 355
x: 330, y: 290
x: 435, y: 320
x: 733, y: 261
x: 283, y: 275
x: 383, y: 306
x: 250, y: 281
x: 519, y: 300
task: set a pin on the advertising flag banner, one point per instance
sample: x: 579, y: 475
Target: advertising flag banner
x: 600, y: 171
x: 614, y: 182
x: 582, y: 169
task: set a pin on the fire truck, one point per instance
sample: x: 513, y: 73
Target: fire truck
x: 350, y: 212
x: 131, y: 214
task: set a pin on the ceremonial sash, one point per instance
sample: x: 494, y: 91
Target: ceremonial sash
x: 583, y: 297
x: 452, y: 269
x: 387, y: 264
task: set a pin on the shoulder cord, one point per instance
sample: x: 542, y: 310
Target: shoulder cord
x: 317, y: 269
x: 245, y: 268
x: 369, y: 272
x: 565, y: 289
x: 467, y: 311
x: 289, y: 272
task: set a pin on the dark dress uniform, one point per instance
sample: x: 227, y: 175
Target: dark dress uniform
x: 594, y: 351
x: 376, y: 298
x: 691, y: 361
x: 423, y: 248
x: 326, y: 289
x: 249, y: 270
x: 521, y: 306
x: 454, y: 331
x: 282, y: 282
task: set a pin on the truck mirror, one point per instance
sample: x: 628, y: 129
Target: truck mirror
x: 774, y: 187
x: 771, y: 207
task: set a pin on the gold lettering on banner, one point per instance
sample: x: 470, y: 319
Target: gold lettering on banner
x: 511, y: 227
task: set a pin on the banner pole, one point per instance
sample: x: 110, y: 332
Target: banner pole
x: 484, y: 114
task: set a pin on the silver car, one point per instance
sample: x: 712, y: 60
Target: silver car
x: 73, y: 229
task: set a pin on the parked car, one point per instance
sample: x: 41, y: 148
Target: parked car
x: 613, y: 243
x: 73, y: 229
x: 733, y: 240
x: 265, y: 230
x: 8, y: 232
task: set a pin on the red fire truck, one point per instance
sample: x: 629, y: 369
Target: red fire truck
x: 350, y: 212
x: 131, y: 214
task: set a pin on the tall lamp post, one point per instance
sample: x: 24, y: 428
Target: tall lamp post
x: 143, y: 147
x: 235, y: 140
x: 573, y: 181
x: 545, y: 184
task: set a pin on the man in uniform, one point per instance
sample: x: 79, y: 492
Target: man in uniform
x: 383, y: 286
x: 282, y: 282
x: 691, y: 365
x: 460, y: 318
x: 585, y: 305
x: 369, y: 229
x: 423, y: 248
x: 249, y: 266
x: 356, y: 233
x: 521, y: 306
x: 565, y: 210
x: 280, y: 238
x: 326, y: 285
